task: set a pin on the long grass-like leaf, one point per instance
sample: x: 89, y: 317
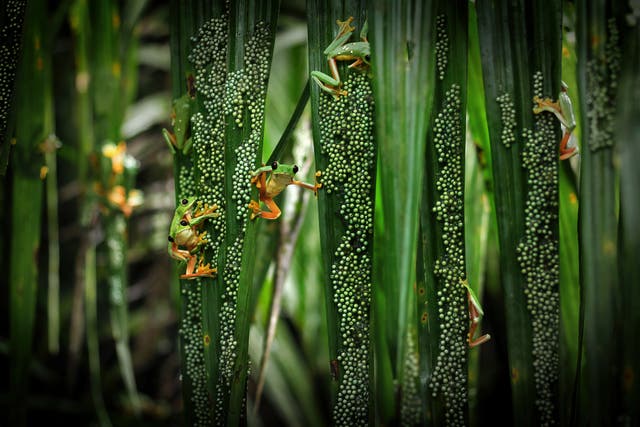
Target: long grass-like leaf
x: 345, y: 152
x: 525, y: 196
x: 184, y: 21
x: 26, y: 204
x: 116, y: 174
x: 231, y: 74
x: 498, y: 73
x: 49, y: 173
x: 93, y: 337
x: 598, y: 40
x: 403, y: 66
x: 569, y: 256
x: 53, y: 239
x: 79, y: 24
x: 441, y: 297
x: 628, y: 135
x: 479, y: 216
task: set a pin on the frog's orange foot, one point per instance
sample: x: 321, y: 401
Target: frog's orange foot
x: 179, y: 254
x: 202, y: 271
x: 206, y: 210
x: 568, y: 153
x: 337, y: 92
x: 478, y: 341
x: 474, y: 342
x: 202, y: 239
x: 544, y: 104
x: 197, y: 274
x: 255, y: 207
x: 317, y: 185
x: 345, y: 26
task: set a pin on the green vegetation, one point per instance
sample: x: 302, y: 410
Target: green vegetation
x: 354, y: 212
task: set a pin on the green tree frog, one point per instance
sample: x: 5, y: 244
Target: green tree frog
x: 340, y: 50
x: 475, y: 314
x: 180, y: 139
x: 563, y: 110
x: 280, y: 176
x: 184, y: 233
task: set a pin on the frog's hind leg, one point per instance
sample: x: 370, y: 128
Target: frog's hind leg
x: 273, y: 208
x: 203, y: 270
x: 191, y: 266
x: 565, y: 152
x: 261, y: 184
x: 477, y: 341
x: 357, y: 63
x: 474, y: 316
x: 179, y: 254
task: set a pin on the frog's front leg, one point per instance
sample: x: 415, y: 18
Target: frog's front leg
x: 317, y: 185
x: 327, y: 83
x: 331, y: 83
x: 259, y: 178
x: 170, y: 138
x: 202, y: 213
x: 563, y: 110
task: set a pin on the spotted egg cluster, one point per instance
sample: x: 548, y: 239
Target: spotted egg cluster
x: 187, y: 182
x: 411, y: 409
x: 508, y: 119
x: 244, y: 101
x: 450, y: 375
x: 347, y: 141
x: 209, y: 58
x: 442, y: 45
x: 10, y: 39
x: 246, y: 90
x: 206, y: 179
x: 191, y: 333
x: 602, y: 87
x: 538, y: 254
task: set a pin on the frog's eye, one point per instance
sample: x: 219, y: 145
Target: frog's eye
x: 184, y: 201
x: 184, y: 223
x: 295, y: 168
x: 171, y: 239
x: 274, y: 165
